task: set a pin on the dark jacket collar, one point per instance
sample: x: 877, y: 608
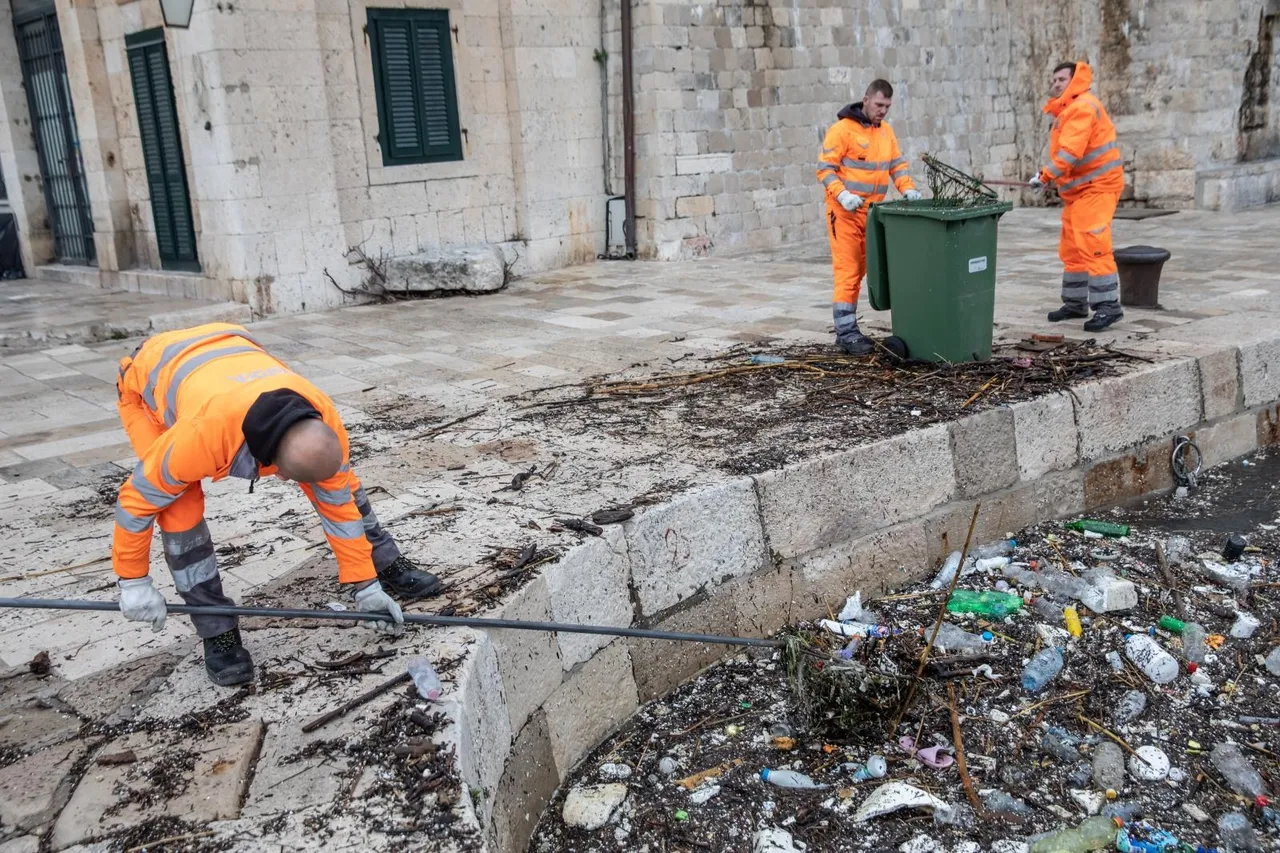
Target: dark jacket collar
x: 854, y: 112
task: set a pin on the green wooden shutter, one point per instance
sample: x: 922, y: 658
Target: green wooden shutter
x: 162, y: 150
x: 417, y: 100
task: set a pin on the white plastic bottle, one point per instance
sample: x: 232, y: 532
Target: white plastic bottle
x: 788, y: 779
x: 1150, y: 657
x: 425, y: 679
x: 948, y: 571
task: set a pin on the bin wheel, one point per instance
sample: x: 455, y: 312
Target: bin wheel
x: 897, y: 346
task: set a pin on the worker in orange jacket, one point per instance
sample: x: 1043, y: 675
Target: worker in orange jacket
x: 1086, y: 167
x: 210, y: 402
x: 860, y: 157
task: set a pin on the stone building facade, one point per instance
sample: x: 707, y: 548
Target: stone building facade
x: 281, y: 117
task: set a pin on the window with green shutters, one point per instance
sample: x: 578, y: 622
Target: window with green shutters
x: 417, y: 100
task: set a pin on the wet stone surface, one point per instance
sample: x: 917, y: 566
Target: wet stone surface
x: 744, y: 714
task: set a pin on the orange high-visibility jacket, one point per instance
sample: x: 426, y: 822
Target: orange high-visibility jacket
x: 1083, y: 151
x: 862, y: 158
x: 184, y: 396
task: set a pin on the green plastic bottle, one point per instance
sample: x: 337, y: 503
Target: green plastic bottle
x: 1106, y: 528
x: 1096, y: 833
x: 997, y: 604
x: 1169, y: 623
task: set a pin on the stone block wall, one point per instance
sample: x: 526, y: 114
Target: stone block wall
x: 746, y: 556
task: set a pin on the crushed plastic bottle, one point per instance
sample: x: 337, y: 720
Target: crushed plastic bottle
x: 1245, y: 626
x: 1237, y: 770
x: 788, y: 779
x: 1092, y: 834
x: 1236, y: 835
x: 954, y: 639
x: 1116, y: 662
x: 1150, y: 657
x: 1062, y: 748
x: 1127, y: 812
x: 999, y: 801
x: 1194, y: 642
x: 996, y: 604
x: 765, y: 358
x: 1108, y: 766
x: 1047, y: 609
x: 1106, y: 528
x: 425, y: 679
x: 1042, y: 669
x: 1272, y: 661
x: 987, y: 564
x: 999, y: 548
x: 947, y: 573
x: 1177, y: 550
x: 1130, y: 706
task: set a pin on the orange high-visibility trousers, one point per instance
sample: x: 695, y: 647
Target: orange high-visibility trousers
x: 847, y: 234
x: 1089, y: 277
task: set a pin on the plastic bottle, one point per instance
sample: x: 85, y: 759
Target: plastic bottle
x: 425, y: 679
x: 1042, y: 669
x: 1071, y: 617
x: 764, y: 358
x: 1169, y: 623
x: 1193, y: 642
x: 1108, y: 766
x: 997, y: 604
x: 1093, y: 834
x: 1272, y: 661
x: 1245, y: 626
x: 987, y: 564
x: 1106, y: 528
x: 999, y: 801
x: 1047, y: 609
x: 788, y: 779
x: 1130, y: 706
x: 1177, y: 550
x: 1237, y: 770
x: 947, y: 573
x: 999, y: 548
x: 1053, y: 743
x: 1127, y: 812
x: 1150, y: 657
x: 1236, y: 835
x: 875, y: 768
x: 954, y: 639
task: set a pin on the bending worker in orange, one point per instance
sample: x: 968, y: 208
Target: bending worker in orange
x: 860, y: 156
x: 1085, y: 166
x: 210, y: 402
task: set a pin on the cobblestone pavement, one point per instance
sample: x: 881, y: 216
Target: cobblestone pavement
x: 402, y: 372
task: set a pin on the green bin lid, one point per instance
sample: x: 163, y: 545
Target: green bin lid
x: 927, y: 208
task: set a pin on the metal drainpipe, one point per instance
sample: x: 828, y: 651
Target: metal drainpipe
x: 628, y: 134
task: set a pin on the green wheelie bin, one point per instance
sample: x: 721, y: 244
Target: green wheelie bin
x: 934, y: 266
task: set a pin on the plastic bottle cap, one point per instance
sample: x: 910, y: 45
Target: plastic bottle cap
x: 764, y: 774
x: 1111, y: 794
x: 1192, y: 666
x: 681, y: 814
x: 1262, y: 801
x: 988, y: 637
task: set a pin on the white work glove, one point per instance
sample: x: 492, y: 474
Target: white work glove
x: 1036, y: 184
x: 142, y: 602
x: 372, y: 599
x: 911, y: 195
x: 849, y: 201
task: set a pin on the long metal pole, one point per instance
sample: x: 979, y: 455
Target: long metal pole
x: 410, y: 618
x: 628, y: 133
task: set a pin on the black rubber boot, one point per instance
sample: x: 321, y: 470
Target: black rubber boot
x: 856, y: 343
x: 406, y: 580
x: 226, y: 660
x: 1100, y: 321
x: 1066, y: 313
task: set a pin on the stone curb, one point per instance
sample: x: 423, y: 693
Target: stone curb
x: 749, y: 555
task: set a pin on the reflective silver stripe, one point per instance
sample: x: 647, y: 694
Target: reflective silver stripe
x: 342, y: 529
x: 897, y: 162
x: 175, y: 349
x: 151, y: 493
x: 186, y: 579
x: 1053, y: 171
x: 131, y: 522
x: 1094, y: 153
x: 867, y: 189
x: 188, y: 366
x: 1068, y: 158
x: 1072, y: 277
x: 822, y: 167
x: 1074, y: 292
x: 1089, y: 176
x: 1102, y: 283
x: 186, y: 541
x: 336, y: 497
x: 165, y: 475
x: 829, y: 180
x: 865, y: 165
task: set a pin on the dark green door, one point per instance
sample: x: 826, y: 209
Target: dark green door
x: 162, y: 150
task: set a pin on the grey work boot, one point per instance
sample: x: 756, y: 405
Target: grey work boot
x: 848, y: 337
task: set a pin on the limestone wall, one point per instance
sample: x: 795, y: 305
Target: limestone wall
x: 735, y: 96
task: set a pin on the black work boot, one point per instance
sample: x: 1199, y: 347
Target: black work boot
x: 1066, y: 312
x: 406, y: 580
x: 855, y: 343
x: 1100, y: 321
x: 226, y: 660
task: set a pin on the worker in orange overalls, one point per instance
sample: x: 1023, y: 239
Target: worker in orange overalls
x: 860, y: 156
x: 1086, y: 168
x: 210, y: 402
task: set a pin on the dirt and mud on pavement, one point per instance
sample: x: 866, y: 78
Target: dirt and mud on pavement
x: 980, y: 761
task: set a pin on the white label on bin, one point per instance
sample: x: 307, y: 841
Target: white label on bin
x: 978, y: 264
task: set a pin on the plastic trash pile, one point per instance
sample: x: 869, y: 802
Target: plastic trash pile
x: 1103, y: 703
